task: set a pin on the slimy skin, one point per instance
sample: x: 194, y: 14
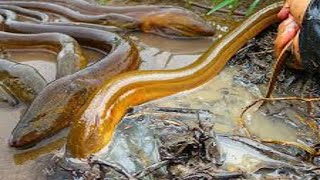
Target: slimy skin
x: 94, y: 128
x: 61, y: 101
x: 166, y: 21
x: 88, y: 25
x: 19, y: 82
x: 7, y: 97
x: 89, y: 8
x: 174, y: 23
x: 118, y: 20
x: 69, y: 54
x: 41, y: 17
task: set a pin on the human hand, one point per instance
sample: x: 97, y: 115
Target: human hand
x: 292, y: 15
x: 295, y: 8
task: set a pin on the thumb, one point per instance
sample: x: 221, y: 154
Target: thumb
x: 284, y: 12
x: 287, y: 31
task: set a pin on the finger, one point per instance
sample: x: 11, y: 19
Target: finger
x: 290, y: 20
x: 285, y: 35
x: 284, y: 12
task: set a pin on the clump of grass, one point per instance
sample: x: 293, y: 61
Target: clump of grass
x: 103, y: 2
x: 231, y: 4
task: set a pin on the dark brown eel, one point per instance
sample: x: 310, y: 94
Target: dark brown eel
x: 104, y: 19
x: 69, y: 54
x: 69, y: 61
x: 62, y: 100
x: 23, y: 83
x: 43, y: 18
x: 39, y: 16
x: 166, y: 21
x: 90, y: 8
x: 7, y: 97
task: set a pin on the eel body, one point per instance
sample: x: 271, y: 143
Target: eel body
x: 85, y: 7
x: 23, y: 82
x: 94, y: 128
x: 167, y: 21
x: 43, y: 18
x: 62, y: 100
x: 7, y: 97
x: 69, y: 55
x: 19, y: 82
x: 39, y: 16
x: 104, y: 19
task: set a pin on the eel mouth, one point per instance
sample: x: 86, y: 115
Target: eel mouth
x: 24, y: 142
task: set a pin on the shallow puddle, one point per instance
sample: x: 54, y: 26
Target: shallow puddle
x: 11, y: 159
x: 226, y: 100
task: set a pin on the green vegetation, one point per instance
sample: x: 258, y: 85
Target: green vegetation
x: 219, y: 4
x: 103, y: 2
x: 232, y: 4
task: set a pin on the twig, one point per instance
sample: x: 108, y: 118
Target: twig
x: 244, y: 48
x: 278, y: 65
x: 295, y: 144
x: 257, y: 144
x: 308, y: 149
x: 113, y: 166
x: 150, y: 169
x: 262, y: 52
x: 204, y: 175
x: 241, y: 120
x: 278, y: 99
x: 312, y: 124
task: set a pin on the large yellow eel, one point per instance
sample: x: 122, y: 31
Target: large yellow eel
x: 94, y: 128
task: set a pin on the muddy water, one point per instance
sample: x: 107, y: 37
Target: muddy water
x: 44, y: 62
x: 226, y: 99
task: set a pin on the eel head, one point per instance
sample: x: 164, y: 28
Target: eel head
x: 51, y: 111
x: 175, y: 23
